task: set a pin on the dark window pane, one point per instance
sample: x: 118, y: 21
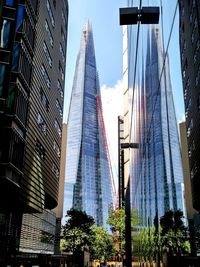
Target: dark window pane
x: 20, y: 17
x: 9, y: 2
x: 15, y: 59
x: 11, y: 96
x: 2, y: 74
x: 5, y: 32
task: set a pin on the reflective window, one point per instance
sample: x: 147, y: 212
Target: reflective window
x: 2, y: 74
x: 197, y: 76
x: 5, y: 32
x: 15, y: 57
x: 56, y: 148
x: 55, y: 170
x: 50, y: 14
x: 187, y: 88
x: 57, y: 127
x: 48, y: 32
x: 45, y: 76
x: 40, y: 149
x: 59, y: 88
x: 44, y: 100
x: 59, y: 108
x: 41, y: 123
x: 20, y: 17
x: 62, y: 53
x: 46, y: 51
x: 9, y: 2
x: 62, y: 34
x: 61, y: 71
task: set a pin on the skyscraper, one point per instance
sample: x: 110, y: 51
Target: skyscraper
x: 158, y: 184
x: 189, y: 32
x: 33, y: 38
x: 88, y: 180
x: 154, y: 170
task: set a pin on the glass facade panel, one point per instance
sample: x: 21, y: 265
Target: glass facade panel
x: 2, y: 74
x: 9, y: 2
x: 156, y: 173
x: 20, y: 17
x: 5, y: 33
x: 16, y: 54
x: 88, y: 182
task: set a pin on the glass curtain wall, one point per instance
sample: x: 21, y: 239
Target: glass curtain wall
x: 154, y: 79
x: 88, y: 181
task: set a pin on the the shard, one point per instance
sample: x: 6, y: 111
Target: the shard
x: 88, y: 182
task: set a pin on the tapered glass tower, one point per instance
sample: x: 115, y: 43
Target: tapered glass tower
x: 157, y: 184
x: 88, y: 184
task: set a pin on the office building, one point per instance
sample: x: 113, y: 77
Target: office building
x: 88, y: 184
x: 32, y: 67
x: 153, y: 171
x: 189, y: 32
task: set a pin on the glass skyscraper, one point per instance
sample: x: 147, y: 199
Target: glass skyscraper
x: 154, y: 171
x: 88, y: 185
x: 156, y: 167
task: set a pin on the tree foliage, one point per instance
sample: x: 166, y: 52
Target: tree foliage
x: 170, y: 236
x: 116, y: 220
x: 174, y: 233
x: 77, y: 232
x: 102, y: 245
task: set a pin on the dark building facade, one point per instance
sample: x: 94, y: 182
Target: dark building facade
x: 190, y: 62
x: 33, y: 37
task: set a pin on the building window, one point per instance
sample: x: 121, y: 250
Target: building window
x: 56, y: 148
x: 45, y: 76
x: 55, y: 170
x: 62, y: 34
x: 9, y: 2
x: 2, y: 74
x: 5, y: 33
x: 46, y: 51
x: 42, y: 125
x: 15, y: 58
x: 59, y: 88
x: 20, y: 17
x: 190, y: 126
x: 49, y: 33
x: 44, y: 100
x: 183, y: 50
x: 198, y: 103
x: 57, y: 127
x: 62, y: 54
x: 188, y: 108
x: 64, y: 20
x: 59, y: 108
x: 61, y: 71
x: 50, y: 14
x: 40, y: 149
x: 194, y: 170
x: 197, y: 76
x: 187, y: 88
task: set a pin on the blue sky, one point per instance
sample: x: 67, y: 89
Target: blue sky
x: 104, y: 16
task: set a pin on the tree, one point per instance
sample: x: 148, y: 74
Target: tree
x: 77, y: 232
x: 116, y: 220
x: 174, y: 237
x: 102, y: 245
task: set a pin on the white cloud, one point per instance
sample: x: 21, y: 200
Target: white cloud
x: 112, y: 103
